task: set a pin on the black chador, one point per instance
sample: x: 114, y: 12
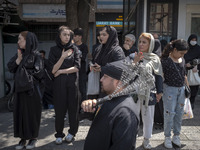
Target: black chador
x: 27, y: 103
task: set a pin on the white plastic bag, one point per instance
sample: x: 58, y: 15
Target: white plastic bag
x: 193, y: 77
x: 93, y: 83
x: 188, y: 113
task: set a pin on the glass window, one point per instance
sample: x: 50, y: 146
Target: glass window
x: 44, y: 32
x: 161, y: 19
x: 195, y: 25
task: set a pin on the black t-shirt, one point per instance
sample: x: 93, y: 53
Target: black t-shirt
x: 171, y: 74
x: 84, y: 51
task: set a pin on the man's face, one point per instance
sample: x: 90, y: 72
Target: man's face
x: 77, y: 38
x: 129, y: 42
x: 108, y: 84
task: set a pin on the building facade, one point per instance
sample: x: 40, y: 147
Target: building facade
x: 167, y: 18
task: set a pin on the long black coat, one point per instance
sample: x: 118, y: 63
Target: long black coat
x: 27, y: 104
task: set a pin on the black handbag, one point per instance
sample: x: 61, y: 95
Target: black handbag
x: 23, y: 80
x: 187, y: 91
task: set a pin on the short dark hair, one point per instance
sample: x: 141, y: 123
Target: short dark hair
x: 78, y: 31
x: 42, y: 51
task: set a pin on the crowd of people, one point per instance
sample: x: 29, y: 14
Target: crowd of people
x: 60, y: 82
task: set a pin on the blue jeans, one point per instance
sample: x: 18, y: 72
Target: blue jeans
x: 173, y: 102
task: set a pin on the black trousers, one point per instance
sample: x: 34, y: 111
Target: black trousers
x: 194, y: 91
x: 65, y: 99
x: 82, y: 85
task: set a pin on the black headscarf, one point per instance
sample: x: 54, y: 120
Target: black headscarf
x: 104, y: 50
x: 31, y: 43
x: 194, y: 51
x: 66, y: 46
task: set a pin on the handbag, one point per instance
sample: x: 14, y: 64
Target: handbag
x: 188, y: 113
x: 187, y: 88
x: 193, y: 78
x: 23, y: 80
x: 187, y: 91
x: 93, y: 83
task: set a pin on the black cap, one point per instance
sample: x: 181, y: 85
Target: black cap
x: 114, y: 69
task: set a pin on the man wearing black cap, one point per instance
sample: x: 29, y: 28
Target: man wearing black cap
x: 115, y: 125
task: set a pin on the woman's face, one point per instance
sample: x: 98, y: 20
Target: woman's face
x: 21, y: 42
x: 65, y: 36
x: 104, y: 36
x: 144, y: 45
x: 178, y: 54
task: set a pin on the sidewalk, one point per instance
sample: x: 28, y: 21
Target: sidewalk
x: 190, y: 135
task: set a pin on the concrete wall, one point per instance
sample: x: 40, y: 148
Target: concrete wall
x: 1, y: 66
x: 184, y: 20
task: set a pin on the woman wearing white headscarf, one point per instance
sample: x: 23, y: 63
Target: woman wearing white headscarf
x: 147, y: 99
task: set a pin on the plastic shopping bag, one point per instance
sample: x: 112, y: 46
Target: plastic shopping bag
x: 188, y: 114
x: 93, y: 83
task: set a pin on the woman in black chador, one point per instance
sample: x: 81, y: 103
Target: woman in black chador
x: 108, y: 51
x: 64, y: 61
x: 27, y: 103
x: 192, y: 54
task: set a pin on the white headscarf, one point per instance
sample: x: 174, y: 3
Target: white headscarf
x: 153, y: 65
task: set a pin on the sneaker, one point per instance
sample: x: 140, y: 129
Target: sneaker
x: 21, y: 145
x: 168, y: 142
x: 58, y: 141
x: 146, y: 144
x: 69, y: 138
x: 176, y: 140
x: 31, y: 144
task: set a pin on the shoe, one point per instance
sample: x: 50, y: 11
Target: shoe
x: 176, y: 140
x: 31, y: 144
x: 58, y: 141
x: 168, y: 142
x: 146, y: 144
x: 69, y: 138
x: 21, y: 145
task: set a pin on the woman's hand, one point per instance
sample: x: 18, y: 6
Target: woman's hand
x: 95, y: 67
x: 126, y: 46
x: 19, y: 58
x: 88, y: 105
x: 195, y: 69
x: 58, y: 73
x: 66, y: 53
x: 138, y: 56
x: 158, y: 96
x: 188, y: 65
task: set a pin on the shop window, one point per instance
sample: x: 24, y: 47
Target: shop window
x: 44, y: 32
x: 160, y: 20
x: 195, y: 25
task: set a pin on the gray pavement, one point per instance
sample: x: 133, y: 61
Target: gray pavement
x: 190, y: 134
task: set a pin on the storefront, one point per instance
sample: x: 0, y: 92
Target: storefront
x: 167, y: 18
x: 154, y: 16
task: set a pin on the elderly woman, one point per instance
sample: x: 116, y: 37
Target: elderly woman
x: 27, y: 64
x: 147, y: 99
